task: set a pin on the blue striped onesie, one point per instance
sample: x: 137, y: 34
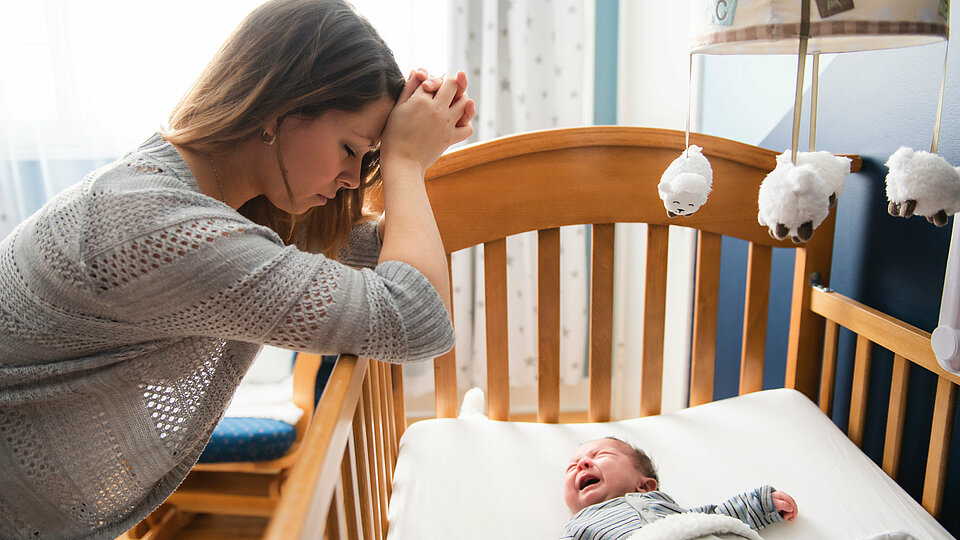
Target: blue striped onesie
x: 621, y: 516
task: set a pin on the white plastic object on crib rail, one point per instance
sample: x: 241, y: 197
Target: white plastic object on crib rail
x: 946, y: 338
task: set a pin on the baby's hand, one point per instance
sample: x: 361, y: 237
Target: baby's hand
x: 785, y: 504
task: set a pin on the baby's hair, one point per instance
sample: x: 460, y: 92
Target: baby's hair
x: 641, y: 460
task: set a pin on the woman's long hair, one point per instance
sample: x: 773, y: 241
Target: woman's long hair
x: 291, y: 57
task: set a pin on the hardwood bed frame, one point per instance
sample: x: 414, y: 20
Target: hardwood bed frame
x: 341, y: 485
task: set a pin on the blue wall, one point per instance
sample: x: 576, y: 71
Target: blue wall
x: 605, y: 62
x: 870, y: 104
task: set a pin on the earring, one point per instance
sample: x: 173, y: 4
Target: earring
x: 267, y: 138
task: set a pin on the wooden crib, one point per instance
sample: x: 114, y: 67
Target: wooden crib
x: 541, y: 181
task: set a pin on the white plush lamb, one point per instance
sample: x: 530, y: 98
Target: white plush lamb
x: 686, y: 183
x: 833, y: 169
x: 793, y: 201
x: 924, y: 184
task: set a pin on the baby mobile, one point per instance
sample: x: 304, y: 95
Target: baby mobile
x: 798, y: 194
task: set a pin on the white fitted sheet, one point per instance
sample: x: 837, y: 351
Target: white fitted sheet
x: 477, y: 478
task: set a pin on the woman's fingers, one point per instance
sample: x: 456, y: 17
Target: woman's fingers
x: 448, y: 89
x: 469, y: 111
x: 413, y: 82
x: 461, y: 85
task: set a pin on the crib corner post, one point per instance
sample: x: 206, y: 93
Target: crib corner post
x: 805, y: 342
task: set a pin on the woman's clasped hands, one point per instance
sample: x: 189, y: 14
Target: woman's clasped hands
x: 430, y: 115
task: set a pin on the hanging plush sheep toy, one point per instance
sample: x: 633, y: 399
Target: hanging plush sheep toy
x: 795, y: 199
x: 924, y: 184
x: 686, y: 183
x: 832, y: 169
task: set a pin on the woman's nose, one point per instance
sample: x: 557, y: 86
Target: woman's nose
x: 349, y: 179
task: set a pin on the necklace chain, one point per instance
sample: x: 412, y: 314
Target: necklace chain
x: 216, y: 175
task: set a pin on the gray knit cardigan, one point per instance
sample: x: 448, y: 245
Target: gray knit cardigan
x: 130, y: 307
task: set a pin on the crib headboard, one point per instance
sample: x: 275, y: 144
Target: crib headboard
x: 541, y: 181
x: 601, y: 176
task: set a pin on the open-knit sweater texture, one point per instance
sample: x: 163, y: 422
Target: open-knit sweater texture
x: 130, y: 307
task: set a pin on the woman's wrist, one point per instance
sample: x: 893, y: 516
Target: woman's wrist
x: 395, y: 168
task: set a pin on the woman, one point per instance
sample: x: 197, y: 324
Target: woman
x: 132, y: 304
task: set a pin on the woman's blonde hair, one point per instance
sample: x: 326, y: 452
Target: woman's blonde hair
x: 291, y: 57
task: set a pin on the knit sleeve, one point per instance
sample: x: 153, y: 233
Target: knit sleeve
x: 363, y: 248
x: 755, y: 508
x: 225, y: 277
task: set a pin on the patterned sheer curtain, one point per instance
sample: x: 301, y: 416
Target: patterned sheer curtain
x: 526, y: 63
x: 81, y: 83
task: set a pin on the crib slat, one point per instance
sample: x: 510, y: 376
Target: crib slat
x: 934, y: 481
x: 858, y: 394
x: 601, y: 320
x: 389, y: 417
x: 654, y: 306
x: 829, y: 374
x: 548, y: 325
x: 332, y: 530
x: 383, y: 481
x: 399, y: 406
x: 373, y: 470
x: 445, y: 373
x: 705, y: 318
x: 495, y: 302
x: 755, y: 318
x: 385, y: 423
x: 896, y: 414
x: 348, y: 478
x: 366, y: 509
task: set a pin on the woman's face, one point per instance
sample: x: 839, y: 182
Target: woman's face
x: 322, y: 155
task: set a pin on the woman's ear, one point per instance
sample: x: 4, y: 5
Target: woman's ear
x: 647, y: 485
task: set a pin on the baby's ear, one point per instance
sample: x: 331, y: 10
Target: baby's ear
x: 647, y: 485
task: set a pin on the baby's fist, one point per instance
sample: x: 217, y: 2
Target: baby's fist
x: 785, y: 504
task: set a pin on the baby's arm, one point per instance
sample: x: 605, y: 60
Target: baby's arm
x: 757, y: 508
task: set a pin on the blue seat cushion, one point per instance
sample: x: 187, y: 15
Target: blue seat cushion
x: 248, y: 439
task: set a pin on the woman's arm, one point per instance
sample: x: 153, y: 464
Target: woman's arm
x: 420, y: 128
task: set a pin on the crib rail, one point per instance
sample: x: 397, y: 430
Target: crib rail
x: 910, y: 345
x: 341, y: 485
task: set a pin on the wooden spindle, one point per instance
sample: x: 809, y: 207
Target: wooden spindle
x: 703, y: 354
x: 548, y: 316
x: 654, y: 307
x: 445, y: 372
x: 828, y: 376
x: 495, y: 298
x: 858, y: 394
x: 934, y: 481
x: 896, y: 415
x: 753, y: 349
x: 601, y: 321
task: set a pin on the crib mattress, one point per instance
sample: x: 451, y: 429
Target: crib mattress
x: 476, y: 478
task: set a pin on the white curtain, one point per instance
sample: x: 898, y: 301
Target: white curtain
x: 527, y: 63
x: 81, y: 83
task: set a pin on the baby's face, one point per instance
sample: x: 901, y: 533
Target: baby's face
x: 601, y: 470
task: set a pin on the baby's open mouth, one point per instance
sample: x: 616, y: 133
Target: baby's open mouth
x: 587, y: 481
